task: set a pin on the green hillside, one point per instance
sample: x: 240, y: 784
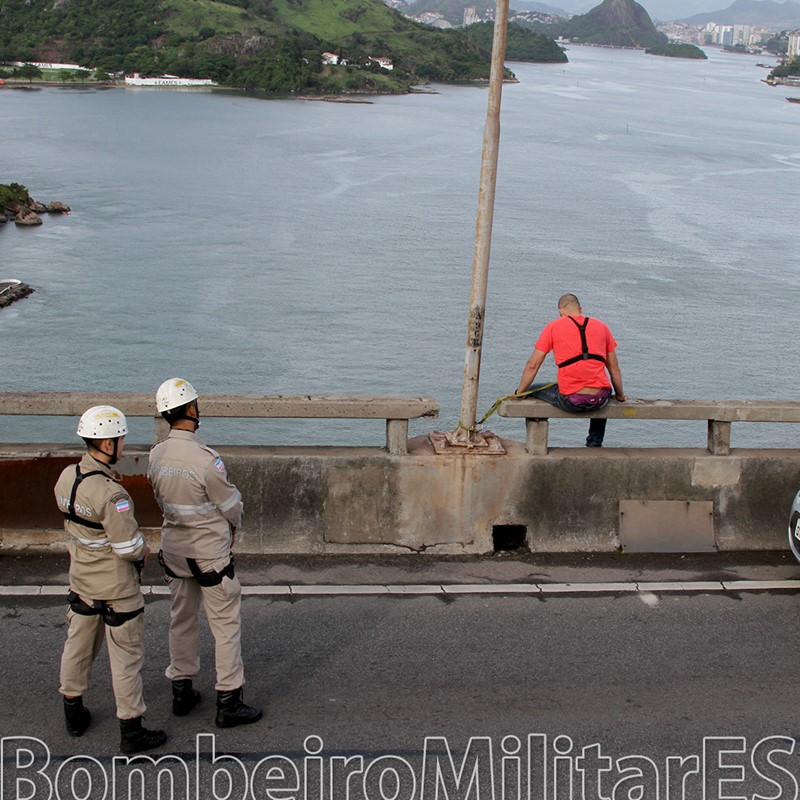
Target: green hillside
x: 521, y: 43
x: 269, y: 44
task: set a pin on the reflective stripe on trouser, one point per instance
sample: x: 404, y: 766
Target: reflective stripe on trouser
x: 125, y: 655
x: 222, y: 605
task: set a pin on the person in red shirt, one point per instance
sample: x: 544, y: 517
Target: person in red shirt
x: 585, y: 354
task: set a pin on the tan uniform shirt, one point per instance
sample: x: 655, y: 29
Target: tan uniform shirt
x: 198, y: 501
x: 101, y: 560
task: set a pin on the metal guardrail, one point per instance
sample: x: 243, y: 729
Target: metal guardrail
x: 395, y: 410
x: 719, y: 415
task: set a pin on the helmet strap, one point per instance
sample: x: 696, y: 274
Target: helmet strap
x: 196, y: 418
x: 115, y: 454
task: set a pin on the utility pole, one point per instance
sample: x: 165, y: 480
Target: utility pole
x: 465, y: 435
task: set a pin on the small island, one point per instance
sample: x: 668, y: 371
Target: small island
x: 676, y: 50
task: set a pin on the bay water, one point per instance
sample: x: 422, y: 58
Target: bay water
x: 293, y: 246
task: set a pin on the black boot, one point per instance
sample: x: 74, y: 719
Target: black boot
x: 184, y: 697
x: 76, y: 716
x: 135, y: 738
x: 232, y: 711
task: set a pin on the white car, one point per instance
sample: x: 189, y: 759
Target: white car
x: 794, y: 527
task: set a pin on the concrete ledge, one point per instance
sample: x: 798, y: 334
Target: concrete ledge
x: 719, y: 415
x: 638, y: 408
x: 141, y: 404
x: 397, y: 411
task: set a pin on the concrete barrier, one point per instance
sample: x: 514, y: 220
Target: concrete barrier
x: 368, y: 500
x: 365, y: 500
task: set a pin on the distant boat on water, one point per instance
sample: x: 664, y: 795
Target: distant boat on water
x: 166, y: 80
x: 793, y: 99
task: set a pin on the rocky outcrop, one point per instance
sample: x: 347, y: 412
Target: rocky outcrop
x: 11, y: 290
x: 27, y: 218
x: 27, y: 214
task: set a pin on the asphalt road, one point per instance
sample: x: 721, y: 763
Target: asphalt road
x: 633, y: 675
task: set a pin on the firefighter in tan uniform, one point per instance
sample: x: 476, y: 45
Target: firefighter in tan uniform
x: 107, y: 551
x: 202, y: 510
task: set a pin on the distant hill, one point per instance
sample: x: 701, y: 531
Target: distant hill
x: 269, y: 44
x: 764, y: 13
x: 528, y: 5
x: 662, y: 10
x: 453, y: 10
x: 621, y: 23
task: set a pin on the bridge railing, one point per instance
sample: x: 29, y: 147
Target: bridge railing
x: 719, y: 414
x: 397, y: 411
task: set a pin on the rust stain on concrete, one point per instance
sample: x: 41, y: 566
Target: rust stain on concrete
x: 28, y: 500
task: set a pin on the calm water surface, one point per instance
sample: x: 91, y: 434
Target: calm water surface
x: 295, y: 247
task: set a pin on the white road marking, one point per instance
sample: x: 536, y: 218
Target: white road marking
x: 647, y: 591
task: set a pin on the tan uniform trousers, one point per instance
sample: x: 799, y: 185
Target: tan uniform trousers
x: 125, y: 654
x: 222, y: 605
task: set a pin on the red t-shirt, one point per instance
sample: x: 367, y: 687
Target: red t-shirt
x: 564, y: 339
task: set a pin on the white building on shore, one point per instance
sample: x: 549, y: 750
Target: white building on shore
x: 166, y: 80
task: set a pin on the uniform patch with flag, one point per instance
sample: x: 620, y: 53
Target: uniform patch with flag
x: 123, y: 505
x: 219, y: 465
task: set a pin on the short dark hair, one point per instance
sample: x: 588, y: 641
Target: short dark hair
x: 568, y: 299
x: 179, y: 412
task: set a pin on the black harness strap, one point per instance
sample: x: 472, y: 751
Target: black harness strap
x: 70, y: 512
x: 111, y: 617
x: 210, y: 578
x: 585, y: 354
x: 203, y: 578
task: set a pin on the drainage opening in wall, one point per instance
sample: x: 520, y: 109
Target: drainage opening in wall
x: 509, y: 537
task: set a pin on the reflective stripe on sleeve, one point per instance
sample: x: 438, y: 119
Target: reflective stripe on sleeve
x: 91, y: 544
x: 124, y: 548
x: 235, y: 498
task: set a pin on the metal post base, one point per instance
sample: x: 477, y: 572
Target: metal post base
x: 464, y: 442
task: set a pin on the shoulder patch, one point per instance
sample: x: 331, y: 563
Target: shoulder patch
x: 219, y: 465
x: 122, y: 502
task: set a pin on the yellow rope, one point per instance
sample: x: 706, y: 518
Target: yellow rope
x: 496, y: 405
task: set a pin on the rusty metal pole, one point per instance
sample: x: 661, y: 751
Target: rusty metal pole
x: 483, y: 234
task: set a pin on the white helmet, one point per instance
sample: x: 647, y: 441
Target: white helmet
x: 174, y: 393
x: 102, y: 422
